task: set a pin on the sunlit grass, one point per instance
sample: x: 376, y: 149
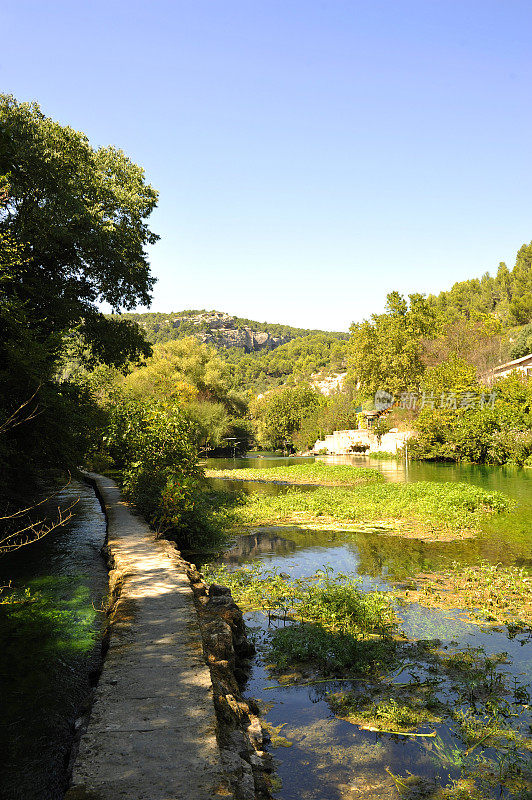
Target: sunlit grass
x: 426, y: 509
x: 314, y: 473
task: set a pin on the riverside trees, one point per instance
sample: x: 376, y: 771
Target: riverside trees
x: 73, y: 233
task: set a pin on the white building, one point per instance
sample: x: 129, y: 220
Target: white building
x: 522, y: 365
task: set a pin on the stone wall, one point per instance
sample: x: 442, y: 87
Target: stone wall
x: 343, y: 442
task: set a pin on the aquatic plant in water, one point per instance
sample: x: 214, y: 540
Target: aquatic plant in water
x: 493, y: 592
x: 314, y: 473
x: 423, y: 509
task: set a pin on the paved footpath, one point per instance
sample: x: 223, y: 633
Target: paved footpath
x: 151, y: 734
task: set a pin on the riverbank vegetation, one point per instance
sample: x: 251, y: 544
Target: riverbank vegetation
x: 430, y: 353
x: 313, y: 473
x: 340, y: 627
x: 420, y: 510
x: 73, y: 234
x: 455, y: 708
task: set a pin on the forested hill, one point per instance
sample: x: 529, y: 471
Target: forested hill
x: 220, y: 329
x: 507, y: 296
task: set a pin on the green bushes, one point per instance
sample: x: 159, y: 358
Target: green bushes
x: 278, y: 414
x: 153, y: 443
x: 496, y: 431
x: 510, y: 446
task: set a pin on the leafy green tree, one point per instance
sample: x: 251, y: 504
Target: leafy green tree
x: 385, y: 352
x: 185, y: 369
x: 73, y: 232
x: 333, y: 413
x: 521, y: 302
x: 522, y: 345
x: 80, y: 215
x: 451, y: 377
x: 211, y: 424
x: 278, y: 414
x: 492, y: 425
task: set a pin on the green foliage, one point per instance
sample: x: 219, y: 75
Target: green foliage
x: 73, y: 233
x: 294, y: 356
x: 165, y: 327
x: 492, y: 592
x: 212, y: 424
x: 334, y: 413
x: 421, y: 508
x: 522, y: 345
x: 292, y: 362
x: 314, y: 473
x: 336, y: 617
x: 506, y: 297
x: 331, y: 652
x: 495, y: 435
x: 521, y: 298
x: 79, y: 214
x: 183, y: 369
x: 453, y: 375
x: 385, y: 352
x: 381, y: 427
x: 384, y: 715
x: 279, y: 413
x: 478, y: 342
x: 341, y: 605
x: 155, y: 445
x: 192, y: 375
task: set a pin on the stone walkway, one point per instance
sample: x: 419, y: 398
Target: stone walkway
x: 151, y: 734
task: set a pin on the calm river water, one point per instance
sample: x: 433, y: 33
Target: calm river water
x: 330, y: 759
x: 49, y: 649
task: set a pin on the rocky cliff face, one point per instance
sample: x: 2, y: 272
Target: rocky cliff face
x: 221, y: 330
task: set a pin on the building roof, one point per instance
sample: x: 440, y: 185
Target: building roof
x: 515, y: 364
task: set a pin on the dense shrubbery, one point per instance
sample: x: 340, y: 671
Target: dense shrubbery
x: 498, y: 432
x: 58, y: 260
x: 279, y: 413
x: 153, y: 443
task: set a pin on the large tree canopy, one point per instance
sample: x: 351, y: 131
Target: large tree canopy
x: 73, y: 233
x: 385, y: 351
x: 79, y: 215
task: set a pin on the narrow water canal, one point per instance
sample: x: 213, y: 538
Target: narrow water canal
x: 322, y: 757
x: 50, y: 648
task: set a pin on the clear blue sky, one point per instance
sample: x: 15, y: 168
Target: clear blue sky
x: 310, y: 156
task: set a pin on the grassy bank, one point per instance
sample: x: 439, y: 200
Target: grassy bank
x: 315, y: 473
x: 421, y: 510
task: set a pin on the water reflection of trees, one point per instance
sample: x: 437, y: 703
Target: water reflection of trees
x: 399, y: 558
x: 255, y: 544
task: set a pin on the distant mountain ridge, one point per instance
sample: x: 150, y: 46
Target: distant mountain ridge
x: 219, y: 329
